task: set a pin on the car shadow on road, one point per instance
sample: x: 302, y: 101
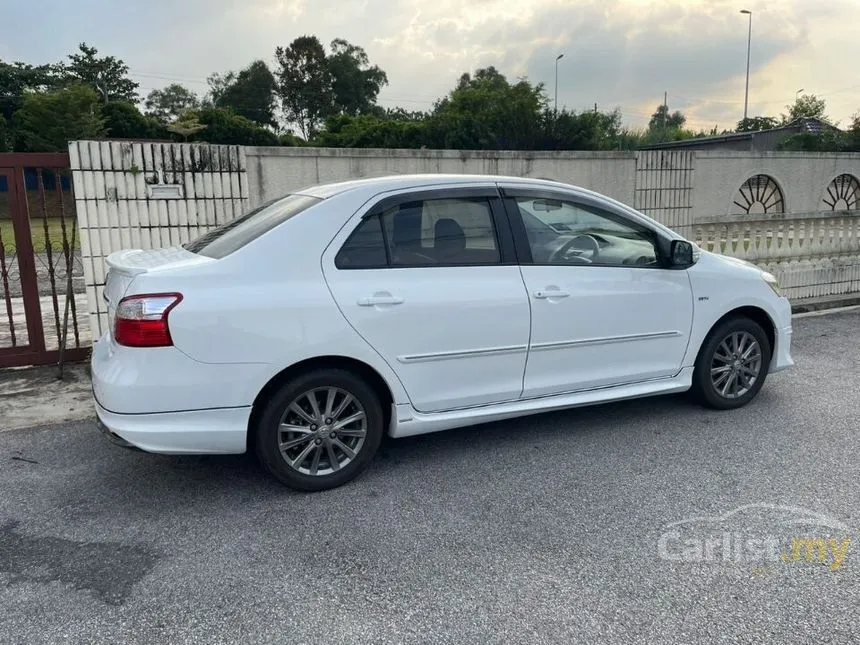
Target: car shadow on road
x: 200, y: 476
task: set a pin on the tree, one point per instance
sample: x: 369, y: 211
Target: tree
x: 827, y: 141
x: 756, y: 124
x: 218, y: 83
x: 806, y: 105
x: 369, y: 131
x: 584, y: 131
x: 852, y: 135
x: 187, y: 124
x: 167, y: 104
x: 304, y: 84
x: 107, y: 75
x: 355, y: 83
x: 662, y: 120
x: 222, y: 126
x: 487, y: 112
x: 5, y: 136
x: 124, y: 121
x: 18, y: 78
x: 250, y: 93
x: 48, y: 121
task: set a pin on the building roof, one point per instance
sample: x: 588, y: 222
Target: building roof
x: 802, y: 124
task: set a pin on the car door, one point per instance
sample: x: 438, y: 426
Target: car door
x: 605, y: 311
x: 429, y: 279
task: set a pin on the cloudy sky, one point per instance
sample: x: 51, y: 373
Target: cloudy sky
x: 617, y: 53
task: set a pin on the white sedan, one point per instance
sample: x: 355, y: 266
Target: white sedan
x: 309, y: 327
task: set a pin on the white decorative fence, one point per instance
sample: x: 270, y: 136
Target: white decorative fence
x: 811, y: 254
x: 149, y: 195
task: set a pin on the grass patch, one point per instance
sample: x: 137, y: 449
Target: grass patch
x: 37, y: 234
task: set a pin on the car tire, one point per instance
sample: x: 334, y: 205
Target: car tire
x: 298, y: 445
x: 719, y: 362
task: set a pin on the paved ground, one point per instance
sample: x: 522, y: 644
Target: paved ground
x: 539, y: 530
x: 13, y: 323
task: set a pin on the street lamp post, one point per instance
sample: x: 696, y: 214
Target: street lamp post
x: 797, y: 93
x: 749, y: 42
x: 557, y: 58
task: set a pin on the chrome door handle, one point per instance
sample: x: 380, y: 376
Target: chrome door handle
x: 379, y: 300
x: 552, y: 293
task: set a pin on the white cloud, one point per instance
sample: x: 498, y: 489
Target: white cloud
x: 622, y: 53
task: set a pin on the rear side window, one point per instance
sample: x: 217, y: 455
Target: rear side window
x: 424, y: 233
x: 229, y: 237
x: 365, y: 248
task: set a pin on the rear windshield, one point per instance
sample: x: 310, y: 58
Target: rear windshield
x: 222, y: 241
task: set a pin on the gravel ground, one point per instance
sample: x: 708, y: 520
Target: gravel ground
x: 545, y: 529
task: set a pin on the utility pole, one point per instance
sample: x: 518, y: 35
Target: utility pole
x: 665, y: 108
x: 557, y: 58
x: 595, y: 108
x: 749, y: 43
x: 665, y: 115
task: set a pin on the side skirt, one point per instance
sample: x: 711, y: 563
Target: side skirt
x: 407, y: 422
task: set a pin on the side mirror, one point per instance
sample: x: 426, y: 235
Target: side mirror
x: 680, y: 254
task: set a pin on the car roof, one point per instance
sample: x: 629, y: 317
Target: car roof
x: 396, y: 182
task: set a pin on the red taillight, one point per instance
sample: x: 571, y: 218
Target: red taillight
x: 141, y: 321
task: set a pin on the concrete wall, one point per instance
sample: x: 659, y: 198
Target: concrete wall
x: 124, y: 200
x: 802, y: 176
x: 140, y: 195
x: 677, y: 187
x: 272, y: 172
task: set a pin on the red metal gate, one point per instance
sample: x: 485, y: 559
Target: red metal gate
x: 43, y: 313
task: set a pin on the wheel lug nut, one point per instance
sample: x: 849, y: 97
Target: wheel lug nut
x: 327, y: 421
x: 332, y: 435
x: 318, y: 441
x: 313, y: 426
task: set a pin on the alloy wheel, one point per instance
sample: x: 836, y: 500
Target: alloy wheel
x: 736, y: 365
x: 321, y: 431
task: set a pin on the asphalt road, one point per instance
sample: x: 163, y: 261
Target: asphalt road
x: 544, y: 530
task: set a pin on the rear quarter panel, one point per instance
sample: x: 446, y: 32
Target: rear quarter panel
x: 267, y: 303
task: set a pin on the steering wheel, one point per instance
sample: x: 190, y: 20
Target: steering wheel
x: 573, y: 250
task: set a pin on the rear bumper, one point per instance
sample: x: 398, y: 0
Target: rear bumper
x: 220, y: 431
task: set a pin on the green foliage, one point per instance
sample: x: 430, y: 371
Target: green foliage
x: 48, y: 121
x: 487, y: 112
x: 222, y: 126
x: 304, y: 83
x: 5, y: 136
x: 757, y: 123
x: 355, y: 83
x: 250, y: 93
x: 852, y: 135
x: 826, y: 141
x: 218, y: 84
x: 167, y: 104
x: 663, y: 120
x: 290, y: 140
x: 124, y: 121
x: 583, y: 131
x: 18, y: 78
x: 107, y: 75
x: 187, y: 124
x: 807, y: 105
x: 368, y: 131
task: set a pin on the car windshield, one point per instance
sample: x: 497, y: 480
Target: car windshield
x: 227, y: 238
